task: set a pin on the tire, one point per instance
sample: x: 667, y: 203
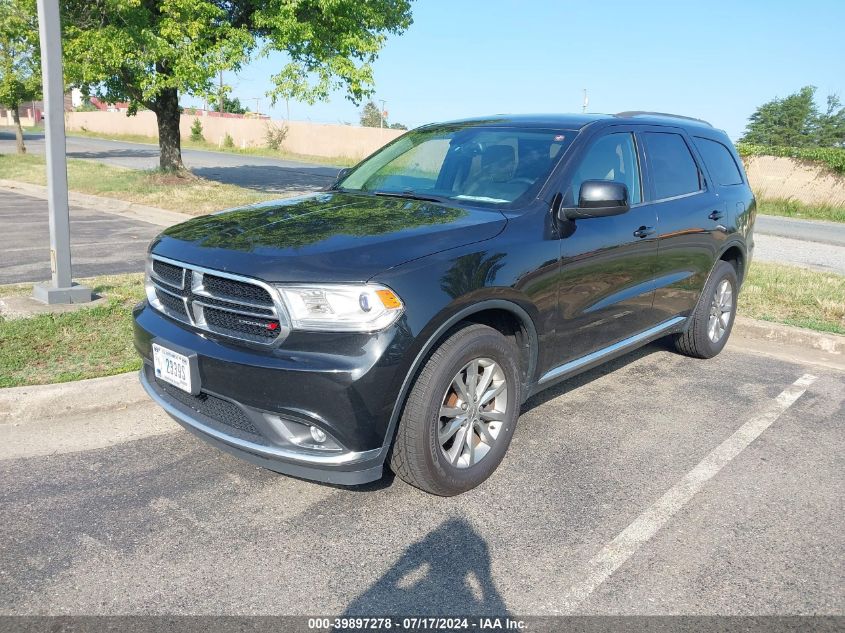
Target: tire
x: 697, y: 340
x: 447, y: 468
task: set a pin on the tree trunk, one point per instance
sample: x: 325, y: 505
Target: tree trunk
x: 16, y: 117
x: 169, y: 142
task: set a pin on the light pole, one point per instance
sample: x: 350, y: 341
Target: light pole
x: 381, y: 113
x: 60, y: 289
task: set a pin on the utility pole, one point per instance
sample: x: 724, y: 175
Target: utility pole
x: 222, y: 104
x: 586, y: 101
x: 257, y: 104
x: 60, y: 288
x: 381, y: 113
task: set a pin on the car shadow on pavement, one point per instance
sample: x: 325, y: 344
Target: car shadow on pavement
x: 571, y: 384
x: 446, y: 573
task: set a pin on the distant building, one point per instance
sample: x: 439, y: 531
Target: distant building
x: 31, y: 112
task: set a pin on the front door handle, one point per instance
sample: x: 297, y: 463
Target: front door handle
x: 644, y: 231
x: 716, y: 215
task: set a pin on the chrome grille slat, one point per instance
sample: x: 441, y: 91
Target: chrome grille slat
x: 250, y: 321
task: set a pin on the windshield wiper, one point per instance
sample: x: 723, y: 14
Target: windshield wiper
x: 409, y: 194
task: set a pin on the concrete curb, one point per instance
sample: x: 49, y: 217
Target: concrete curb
x: 152, y: 215
x: 788, y: 335
x: 70, y: 399
x: 86, y: 397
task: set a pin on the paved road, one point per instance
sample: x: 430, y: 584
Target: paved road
x: 101, y: 243
x: 167, y: 524
x: 812, y: 244
x: 254, y: 172
x: 832, y: 233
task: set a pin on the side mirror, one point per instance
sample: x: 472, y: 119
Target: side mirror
x: 598, y: 199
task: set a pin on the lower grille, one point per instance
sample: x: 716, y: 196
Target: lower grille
x: 217, y: 409
x: 247, y: 326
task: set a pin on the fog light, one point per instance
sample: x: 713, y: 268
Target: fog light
x: 317, y: 435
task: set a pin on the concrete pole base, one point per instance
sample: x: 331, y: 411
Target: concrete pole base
x: 45, y: 293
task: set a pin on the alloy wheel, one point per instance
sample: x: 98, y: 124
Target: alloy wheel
x: 472, y: 412
x: 721, y: 308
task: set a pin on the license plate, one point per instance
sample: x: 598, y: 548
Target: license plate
x: 172, y: 367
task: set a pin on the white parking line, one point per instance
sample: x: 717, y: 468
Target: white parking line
x: 645, y: 526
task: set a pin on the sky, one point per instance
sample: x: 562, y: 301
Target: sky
x: 713, y: 59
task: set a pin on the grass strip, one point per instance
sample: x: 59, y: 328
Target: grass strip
x: 177, y: 192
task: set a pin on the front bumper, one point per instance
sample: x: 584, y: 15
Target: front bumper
x: 346, y: 385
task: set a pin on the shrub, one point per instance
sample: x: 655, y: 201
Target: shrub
x: 831, y: 157
x: 228, y: 141
x: 275, y: 135
x: 196, y: 131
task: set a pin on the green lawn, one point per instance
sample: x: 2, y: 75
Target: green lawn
x: 87, y: 343
x: 794, y: 296
x: 98, y: 341
x: 182, y: 192
x: 795, y: 209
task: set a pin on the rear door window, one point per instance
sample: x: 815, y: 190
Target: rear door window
x: 674, y: 171
x: 720, y: 162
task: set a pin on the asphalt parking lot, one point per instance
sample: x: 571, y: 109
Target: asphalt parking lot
x: 101, y: 243
x: 654, y: 485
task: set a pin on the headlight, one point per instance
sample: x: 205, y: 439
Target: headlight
x: 341, y: 308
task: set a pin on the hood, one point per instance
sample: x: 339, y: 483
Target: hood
x: 330, y: 236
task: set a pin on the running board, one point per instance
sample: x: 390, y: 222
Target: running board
x: 620, y: 346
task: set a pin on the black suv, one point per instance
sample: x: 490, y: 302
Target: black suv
x: 404, y: 315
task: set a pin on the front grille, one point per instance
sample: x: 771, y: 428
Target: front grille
x: 173, y: 304
x: 252, y: 326
x: 212, y: 407
x: 222, y: 287
x: 168, y: 273
x: 228, y: 305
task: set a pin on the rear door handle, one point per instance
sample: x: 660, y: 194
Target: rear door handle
x: 644, y: 231
x: 716, y: 215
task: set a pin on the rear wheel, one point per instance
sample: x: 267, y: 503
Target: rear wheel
x: 712, y: 319
x: 460, y: 414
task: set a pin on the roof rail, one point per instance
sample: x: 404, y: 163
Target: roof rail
x: 666, y: 114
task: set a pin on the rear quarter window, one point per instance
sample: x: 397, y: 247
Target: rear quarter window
x: 719, y: 160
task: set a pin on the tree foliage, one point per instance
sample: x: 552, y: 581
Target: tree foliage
x: 795, y: 121
x: 230, y: 104
x: 20, y: 65
x: 148, y: 52
x: 831, y: 157
x: 371, y: 115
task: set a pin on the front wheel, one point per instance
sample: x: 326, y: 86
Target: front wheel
x: 461, y: 413
x: 712, y: 319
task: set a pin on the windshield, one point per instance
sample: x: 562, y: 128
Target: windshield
x: 485, y: 165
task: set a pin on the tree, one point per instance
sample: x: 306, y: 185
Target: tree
x: 398, y: 126
x: 795, y: 121
x: 830, y: 129
x: 232, y: 105
x: 148, y: 52
x: 20, y: 65
x: 370, y: 115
